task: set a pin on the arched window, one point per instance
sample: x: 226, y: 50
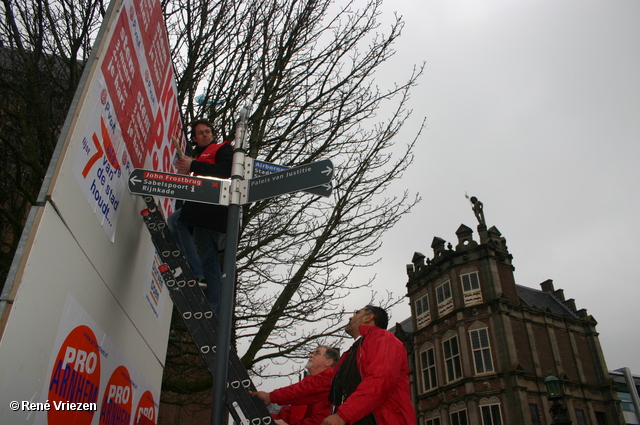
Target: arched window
x: 490, y: 411
x: 432, y: 418
x: 458, y: 414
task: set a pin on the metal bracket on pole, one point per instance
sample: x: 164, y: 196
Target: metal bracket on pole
x: 248, y: 167
x: 243, y: 187
x: 225, y: 192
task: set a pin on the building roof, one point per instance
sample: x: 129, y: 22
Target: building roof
x: 406, y: 325
x: 619, y: 374
x: 535, y: 298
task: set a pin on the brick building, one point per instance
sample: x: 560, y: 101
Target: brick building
x: 483, y: 345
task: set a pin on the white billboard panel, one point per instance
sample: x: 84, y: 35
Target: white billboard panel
x: 126, y: 121
x: 68, y: 340
x: 87, y: 295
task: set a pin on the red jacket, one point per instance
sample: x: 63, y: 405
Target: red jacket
x: 209, y: 155
x: 384, y: 390
x: 213, y: 160
x: 312, y: 414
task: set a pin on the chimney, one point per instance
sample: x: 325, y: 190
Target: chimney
x: 547, y: 285
x: 559, y: 294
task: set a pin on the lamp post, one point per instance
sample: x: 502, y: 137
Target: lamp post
x: 558, y: 411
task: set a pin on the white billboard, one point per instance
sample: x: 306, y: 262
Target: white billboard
x: 86, y: 327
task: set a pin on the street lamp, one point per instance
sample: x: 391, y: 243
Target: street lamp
x: 554, y: 394
x: 554, y: 388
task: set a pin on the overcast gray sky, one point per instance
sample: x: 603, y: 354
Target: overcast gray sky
x: 533, y: 106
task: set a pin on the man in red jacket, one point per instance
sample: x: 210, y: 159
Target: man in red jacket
x: 321, y: 359
x: 370, y: 384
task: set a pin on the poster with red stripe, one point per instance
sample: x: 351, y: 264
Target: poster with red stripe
x: 86, y: 329
x: 90, y: 381
x: 135, y: 115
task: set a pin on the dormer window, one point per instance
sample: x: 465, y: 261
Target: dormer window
x: 470, y: 281
x: 471, y: 291
x: 423, y: 314
x: 445, y: 300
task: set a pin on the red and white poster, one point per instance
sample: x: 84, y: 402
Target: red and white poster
x: 75, y: 378
x: 155, y: 291
x: 135, y: 113
x: 146, y: 412
x: 117, y: 399
x: 90, y: 382
x: 86, y: 334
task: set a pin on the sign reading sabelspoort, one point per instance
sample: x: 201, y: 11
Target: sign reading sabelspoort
x: 207, y: 190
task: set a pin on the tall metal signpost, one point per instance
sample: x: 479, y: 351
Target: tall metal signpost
x: 229, y: 272
x: 244, y: 191
x: 251, y: 181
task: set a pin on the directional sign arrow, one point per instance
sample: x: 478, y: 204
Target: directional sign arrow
x: 290, y: 180
x: 261, y: 169
x: 207, y: 190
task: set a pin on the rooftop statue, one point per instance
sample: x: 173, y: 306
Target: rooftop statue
x: 477, y: 210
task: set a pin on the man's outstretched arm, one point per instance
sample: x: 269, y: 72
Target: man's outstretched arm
x: 262, y: 395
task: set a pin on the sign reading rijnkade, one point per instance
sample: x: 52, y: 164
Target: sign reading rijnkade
x: 198, y: 189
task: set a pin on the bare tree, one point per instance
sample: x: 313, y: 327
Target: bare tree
x: 316, y: 98
x: 43, y: 47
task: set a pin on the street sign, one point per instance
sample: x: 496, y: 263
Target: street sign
x: 207, y: 190
x: 261, y: 169
x: 289, y: 180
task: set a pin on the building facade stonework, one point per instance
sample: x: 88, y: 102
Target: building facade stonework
x: 483, y: 345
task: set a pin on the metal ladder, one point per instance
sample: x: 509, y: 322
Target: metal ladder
x: 200, y: 320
